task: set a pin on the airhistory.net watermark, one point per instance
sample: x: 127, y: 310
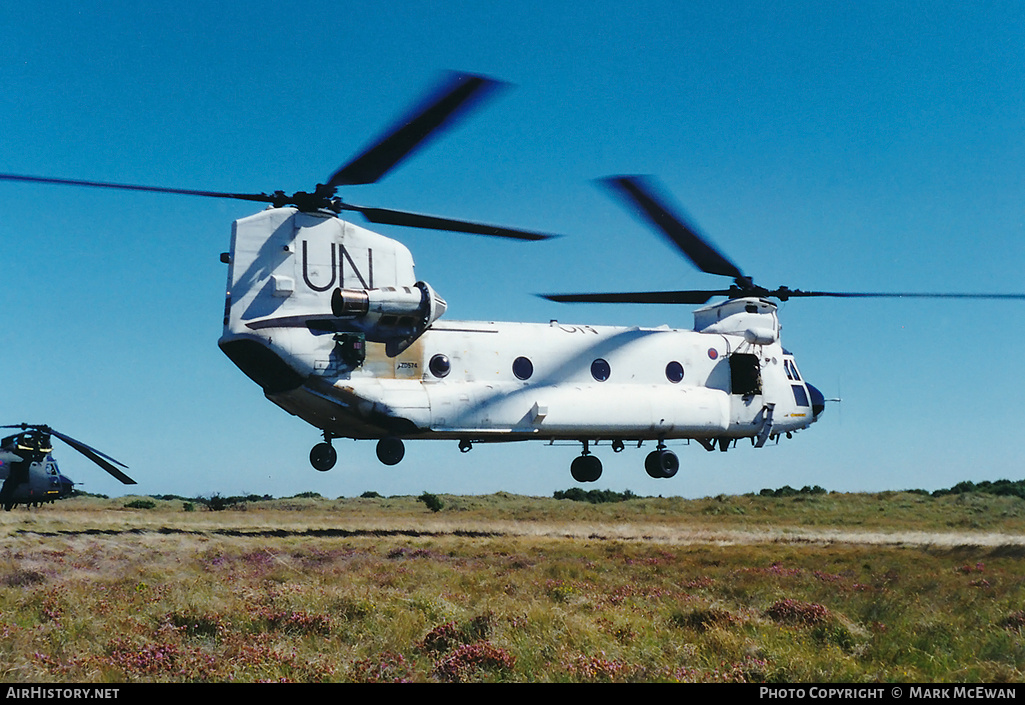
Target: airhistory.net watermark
x: 53, y: 693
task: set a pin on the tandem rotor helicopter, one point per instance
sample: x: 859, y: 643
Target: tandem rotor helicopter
x: 330, y: 320
x: 29, y: 472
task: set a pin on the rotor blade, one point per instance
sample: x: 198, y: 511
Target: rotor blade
x: 101, y: 459
x: 417, y: 220
x: 640, y: 297
x: 784, y: 294
x: 427, y: 121
x: 640, y: 193
x: 258, y: 197
x: 701, y: 296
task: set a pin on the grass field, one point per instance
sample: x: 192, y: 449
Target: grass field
x: 897, y: 587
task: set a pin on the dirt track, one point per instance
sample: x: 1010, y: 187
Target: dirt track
x: 726, y: 537
x: 289, y: 524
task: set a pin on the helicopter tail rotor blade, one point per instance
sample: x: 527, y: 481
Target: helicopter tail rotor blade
x: 641, y: 193
x: 439, y: 111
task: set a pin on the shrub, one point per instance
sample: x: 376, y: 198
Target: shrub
x: 448, y: 635
x: 599, y: 669
x: 705, y: 619
x: 798, y: 613
x: 297, y: 621
x: 197, y: 625
x: 788, y: 491
x: 1006, y: 488
x: 387, y: 668
x: 470, y: 661
x: 578, y: 494
x: 440, y: 639
x: 217, y: 503
x: 140, y: 504
x: 22, y: 578
x: 1015, y: 620
x: 432, y: 501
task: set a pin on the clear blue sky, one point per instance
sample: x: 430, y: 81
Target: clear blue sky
x: 859, y: 146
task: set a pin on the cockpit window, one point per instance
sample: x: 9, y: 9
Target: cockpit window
x: 791, y: 370
x: 800, y: 396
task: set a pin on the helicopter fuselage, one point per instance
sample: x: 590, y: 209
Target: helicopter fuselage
x: 29, y: 474
x: 330, y: 320
x: 519, y: 381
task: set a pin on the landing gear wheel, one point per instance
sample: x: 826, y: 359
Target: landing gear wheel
x: 585, y: 468
x: 661, y: 464
x: 390, y: 451
x: 323, y: 457
x: 670, y: 463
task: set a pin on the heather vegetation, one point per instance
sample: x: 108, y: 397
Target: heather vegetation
x: 791, y: 586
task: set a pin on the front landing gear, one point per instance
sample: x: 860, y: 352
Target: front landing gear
x: 586, y: 468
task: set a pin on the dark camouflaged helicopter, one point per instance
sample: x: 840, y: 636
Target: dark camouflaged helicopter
x: 29, y: 472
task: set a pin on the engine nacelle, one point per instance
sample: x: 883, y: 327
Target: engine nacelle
x: 396, y: 316
x: 754, y: 319
x: 761, y: 336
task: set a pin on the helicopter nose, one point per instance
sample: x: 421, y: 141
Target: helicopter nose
x: 818, y: 401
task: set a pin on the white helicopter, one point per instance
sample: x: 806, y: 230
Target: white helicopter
x: 331, y: 321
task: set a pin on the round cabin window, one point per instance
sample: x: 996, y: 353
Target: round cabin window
x: 439, y: 366
x: 674, y: 372
x: 523, y: 368
x: 600, y: 370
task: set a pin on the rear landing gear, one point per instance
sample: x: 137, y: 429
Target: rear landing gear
x: 390, y: 451
x: 661, y: 463
x: 323, y: 456
x: 586, y: 468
